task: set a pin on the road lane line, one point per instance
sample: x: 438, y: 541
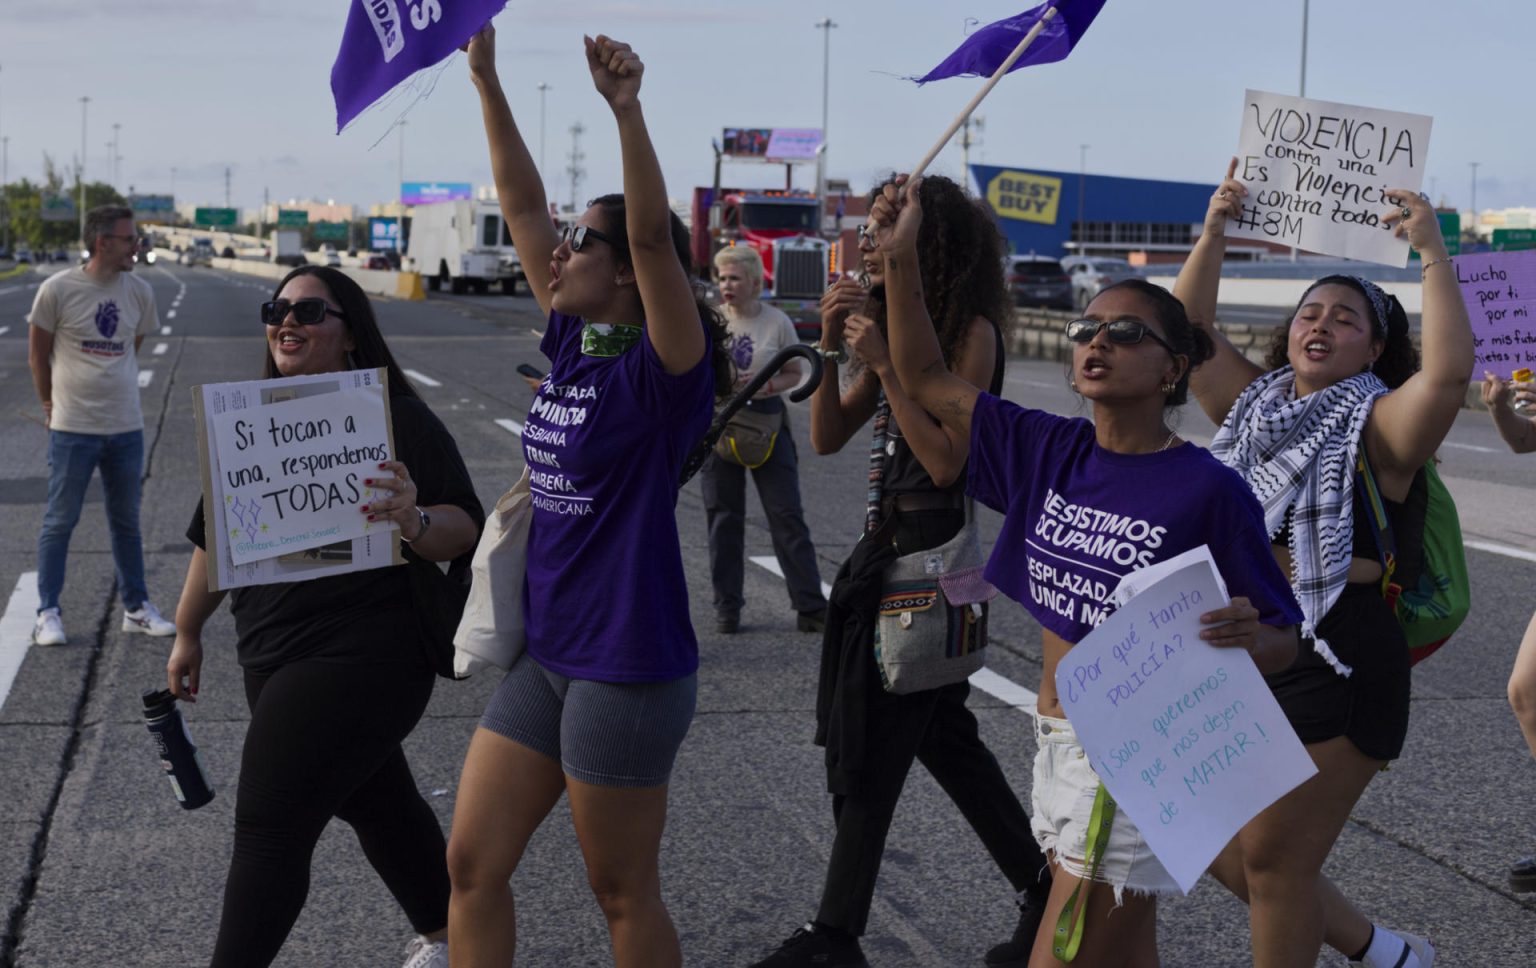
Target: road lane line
x: 511, y: 426
x: 4, y: 330
x: 1498, y: 549
x: 16, y: 630
x: 165, y: 331
x: 1480, y: 450
x: 144, y: 377
x: 170, y: 314
x: 160, y: 348
x: 1000, y: 687
x: 422, y: 378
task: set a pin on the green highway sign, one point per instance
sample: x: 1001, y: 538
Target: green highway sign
x: 330, y: 231
x: 292, y: 218
x: 1513, y: 240
x: 217, y: 218
x: 1450, y: 230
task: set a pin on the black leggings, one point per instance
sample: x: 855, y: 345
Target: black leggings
x: 325, y: 742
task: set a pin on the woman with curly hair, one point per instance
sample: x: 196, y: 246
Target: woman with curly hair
x: 1343, y: 387
x: 872, y: 736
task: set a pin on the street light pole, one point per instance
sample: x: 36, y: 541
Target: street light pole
x: 84, y: 103
x: 543, y: 89
x: 825, y: 25
x: 117, y: 154
x: 5, y: 200
x: 1474, y: 165
x: 400, y: 179
x: 1082, y: 195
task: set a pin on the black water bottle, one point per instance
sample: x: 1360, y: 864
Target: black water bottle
x: 178, y: 755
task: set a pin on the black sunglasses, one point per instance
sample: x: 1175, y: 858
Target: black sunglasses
x: 1126, y: 332
x: 577, y: 235
x: 306, y: 312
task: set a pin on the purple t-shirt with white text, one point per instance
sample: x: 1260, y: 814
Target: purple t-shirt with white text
x: 605, y: 440
x: 1078, y: 518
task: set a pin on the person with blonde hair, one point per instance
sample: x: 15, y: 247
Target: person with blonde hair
x: 755, y: 332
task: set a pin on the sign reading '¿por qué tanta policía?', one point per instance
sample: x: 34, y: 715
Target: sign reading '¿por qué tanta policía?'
x: 1319, y: 174
x: 291, y: 471
x: 1186, y: 737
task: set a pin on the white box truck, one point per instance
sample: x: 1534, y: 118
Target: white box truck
x: 464, y: 245
x: 288, y: 247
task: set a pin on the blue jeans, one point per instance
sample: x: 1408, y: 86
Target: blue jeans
x: 72, y: 458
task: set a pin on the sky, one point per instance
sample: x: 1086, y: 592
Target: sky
x: 1153, y: 90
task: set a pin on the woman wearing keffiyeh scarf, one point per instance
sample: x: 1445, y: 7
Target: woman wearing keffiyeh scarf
x: 1342, y: 378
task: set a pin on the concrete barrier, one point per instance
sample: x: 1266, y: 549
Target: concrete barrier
x: 1286, y: 293
x: 375, y: 282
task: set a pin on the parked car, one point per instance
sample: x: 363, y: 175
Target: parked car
x: 23, y: 255
x: 1091, y: 274
x: 332, y: 258
x: 1036, y: 280
x: 59, y: 255
x: 376, y: 261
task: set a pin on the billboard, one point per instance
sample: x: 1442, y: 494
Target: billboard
x: 425, y: 193
x: 771, y: 144
x: 383, y: 233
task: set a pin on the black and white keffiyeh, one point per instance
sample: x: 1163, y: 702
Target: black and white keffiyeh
x: 1298, y: 456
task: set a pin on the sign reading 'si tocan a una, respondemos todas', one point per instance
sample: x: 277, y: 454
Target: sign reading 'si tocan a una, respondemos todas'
x: 283, y: 463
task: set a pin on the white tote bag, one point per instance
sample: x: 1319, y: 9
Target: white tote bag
x: 492, y: 630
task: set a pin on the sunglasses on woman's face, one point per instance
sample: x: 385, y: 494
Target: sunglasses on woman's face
x: 576, y: 237
x: 1126, y: 332
x: 306, y: 312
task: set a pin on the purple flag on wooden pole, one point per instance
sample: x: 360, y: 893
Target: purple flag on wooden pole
x: 986, y: 49
x: 386, y: 41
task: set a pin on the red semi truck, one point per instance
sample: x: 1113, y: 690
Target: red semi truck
x: 784, y: 227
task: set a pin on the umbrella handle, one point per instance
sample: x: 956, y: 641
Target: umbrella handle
x: 701, y: 451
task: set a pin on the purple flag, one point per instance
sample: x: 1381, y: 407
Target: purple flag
x: 386, y: 41
x: 985, y: 50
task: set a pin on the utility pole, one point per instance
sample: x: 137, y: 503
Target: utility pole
x: 84, y: 103
x: 973, y: 126
x: 1082, y: 195
x: 543, y: 90
x: 1474, y: 165
x: 576, y: 156
x: 826, y: 26
x: 117, y: 154
x: 226, y: 186
x: 5, y: 200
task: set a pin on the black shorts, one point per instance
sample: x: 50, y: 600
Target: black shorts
x: 1371, y: 705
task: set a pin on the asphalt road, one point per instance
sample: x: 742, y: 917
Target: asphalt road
x: 98, y: 865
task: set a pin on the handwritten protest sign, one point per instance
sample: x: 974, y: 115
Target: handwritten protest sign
x: 1318, y: 174
x: 1499, y: 289
x: 283, y: 463
x: 1187, y: 737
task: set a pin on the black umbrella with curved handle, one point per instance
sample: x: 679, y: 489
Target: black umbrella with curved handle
x: 701, y: 452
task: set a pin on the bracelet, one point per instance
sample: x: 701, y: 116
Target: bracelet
x: 1432, y: 262
x: 838, y: 355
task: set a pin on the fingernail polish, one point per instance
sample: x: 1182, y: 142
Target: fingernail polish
x: 364, y: 508
x: 367, y: 480
x: 372, y: 517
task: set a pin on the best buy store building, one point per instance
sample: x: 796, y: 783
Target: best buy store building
x: 1058, y: 213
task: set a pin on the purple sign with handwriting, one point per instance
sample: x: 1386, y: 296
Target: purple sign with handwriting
x: 1499, y: 289
x: 386, y: 41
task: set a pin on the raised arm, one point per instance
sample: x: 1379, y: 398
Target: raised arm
x: 835, y: 415
x: 1409, y: 424
x: 519, y: 187
x: 915, y: 351
x: 671, y: 312
x: 1219, y: 381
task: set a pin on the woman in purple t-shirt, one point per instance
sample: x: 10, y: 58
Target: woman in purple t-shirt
x: 1058, y: 480
x: 598, y: 704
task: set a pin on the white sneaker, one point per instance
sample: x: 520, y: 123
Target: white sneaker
x: 147, y: 620
x: 49, y: 628
x: 1421, y: 949
x: 421, y: 953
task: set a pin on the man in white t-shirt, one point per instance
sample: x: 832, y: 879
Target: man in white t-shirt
x: 86, y: 326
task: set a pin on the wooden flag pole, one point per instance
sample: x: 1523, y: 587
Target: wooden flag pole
x: 997, y: 75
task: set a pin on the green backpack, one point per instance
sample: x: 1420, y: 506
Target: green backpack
x: 1424, y: 566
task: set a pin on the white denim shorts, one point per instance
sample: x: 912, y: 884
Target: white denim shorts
x: 1062, y: 801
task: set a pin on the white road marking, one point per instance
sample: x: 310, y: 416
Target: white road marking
x: 1000, y: 687
x: 511, y: 426
x: 1480, y: 450
x: 16, y: 630
x: 170, y: 314
x: 165, y: 331
x: 145, y: 376
x: 160, y: 348
x: 1499, y: 549
x: 4, y: 330
x: 422, y: 378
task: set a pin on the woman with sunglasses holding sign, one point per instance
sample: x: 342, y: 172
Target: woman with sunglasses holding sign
x: 1341, y: 380
x: 336, y: 675
x: 600, y: 701
x: 1067, y: 488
